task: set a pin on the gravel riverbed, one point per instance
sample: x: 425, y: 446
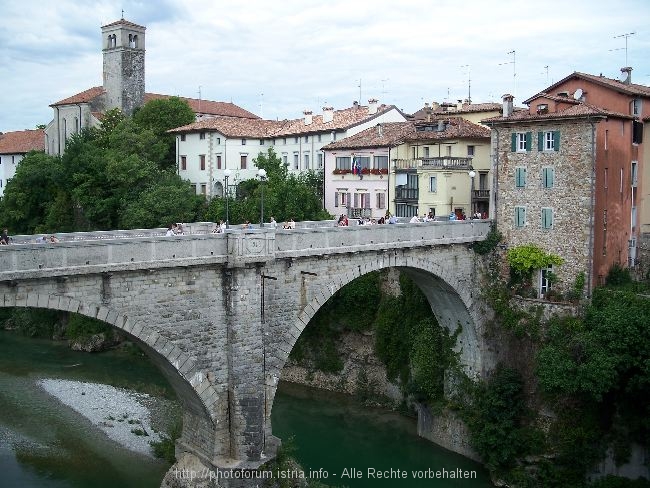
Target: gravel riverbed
x: 123, y: 415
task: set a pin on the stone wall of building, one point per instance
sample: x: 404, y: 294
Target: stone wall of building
x: 570, y: 197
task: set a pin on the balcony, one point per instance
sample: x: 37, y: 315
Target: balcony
x: 481, y: 194
x: 358, y: 212
x: 443, y: 162
x: 402, y: 193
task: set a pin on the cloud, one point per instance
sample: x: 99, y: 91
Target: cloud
x: 283, y: 57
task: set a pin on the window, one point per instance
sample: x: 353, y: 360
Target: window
x: 243, y: 142
x: 634, y: 173
x: 605, y: 177
x: 448, y: 150
x: 381, y: 162
x: 605, y: 232
x: 306, y: 158
x: 548, y: 177
x: 202, y: 162
x: 405, y: 210
x: 470, y: 150
x: 635, y: 107
x: 414, y: 151
x: 548, y: 141
x: 362, y: 161
x: 361, y: 200
x: 193, y: 187
x: 218, y: 161
x: 285, y: 159
x: 341, y: 198
x: 606, y: 137
x: 433, y: 184
x: 542, y: 108
x: 620, y: 189
x: 295, y: 140
x: 482, y: 181
x: 547, y: 218
x: 520, y: 216
x: 261, y: 142
x: 218, y: 141
x: 320, y: 160
x: 343, y: 163
x: 520, y: 177
x: 284, y: 141
x: 183, y: 162
x: 182, y: 137
x: 637, y: 132
x: 521, y: 141
x: 633, y: 218
x: 333, y: 136
x: 319, y: 138
x: 201, y: 135
x: 296, y: 157
x: 243, y: 161
x: 381, y: 200
x: 306, y: 138
x: 204, y: 190
x: 426, y: 151
x: 545, y: 280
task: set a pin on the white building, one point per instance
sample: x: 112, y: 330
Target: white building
x: 205, y: 149
x: 123, y: 50
x: 13, y: 147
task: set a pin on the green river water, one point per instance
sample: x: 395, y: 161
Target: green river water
x: 46, y: 444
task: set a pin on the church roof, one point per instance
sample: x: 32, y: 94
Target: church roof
x: 125, y: 23
x: 22, y: 141
x: 208, y: 107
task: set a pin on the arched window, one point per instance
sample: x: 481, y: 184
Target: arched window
x: 76, y: 125
x: 112, y: 40
x: 135, y: 41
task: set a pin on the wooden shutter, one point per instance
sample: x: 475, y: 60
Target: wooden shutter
x: 556, y: 140
x: 513, y: 146
x: 540, y: 141
x: 529, y: 141
x: 547, y: 218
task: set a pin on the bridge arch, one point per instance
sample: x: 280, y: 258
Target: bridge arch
x: 178, y: 367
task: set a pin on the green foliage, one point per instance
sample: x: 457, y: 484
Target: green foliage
x: 490, y: 243
x: 523, y: 260
x: 80, y: 326
x: 618, y: 276
x: 612, y: 481
x: 34, y: 322
x: 165, y: 448
x: 161, y: 115
x: 497, y: 420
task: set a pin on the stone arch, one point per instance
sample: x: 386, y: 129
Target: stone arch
x: 449, y: 293
x: 191, y: 385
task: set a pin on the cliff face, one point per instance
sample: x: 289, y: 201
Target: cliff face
x: 363, y: 374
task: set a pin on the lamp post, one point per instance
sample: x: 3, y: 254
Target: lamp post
x: 261, y: 174
x: 226, y: 175
x: 471, y: 174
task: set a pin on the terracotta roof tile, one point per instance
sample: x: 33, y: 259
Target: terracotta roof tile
x: 454, y: 128
x: 465, y: 108
x: 387, y: 134
x: 23, y: 141
x: 82, y: 97
x: 234, y: 127
x: 576, y: 111
x: 226, y: 109
x: 124, y: 22
x: 630, y: 89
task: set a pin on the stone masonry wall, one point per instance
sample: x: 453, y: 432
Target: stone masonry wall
x: 570, y: 196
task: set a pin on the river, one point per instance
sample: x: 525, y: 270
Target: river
x: 45, y: 444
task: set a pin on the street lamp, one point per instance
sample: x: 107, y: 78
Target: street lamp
x: 471, y: 174
x: 261, y: 174
x: 226, y: 175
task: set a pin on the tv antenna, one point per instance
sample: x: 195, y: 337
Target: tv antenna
x: 546, y: 68
x: 199, y: 98
x: 383, y: 88
x: 359, y: 85
x: 261, y: 100
x: 469, y: 82
x: 618, y: 49
x: 514, y: 70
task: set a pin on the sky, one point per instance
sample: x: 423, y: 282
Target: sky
x: 278, y: 58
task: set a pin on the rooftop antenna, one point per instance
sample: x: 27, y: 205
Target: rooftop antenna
x: 514, y: 70
x: 383, y: 88
x: 359, y: 91
x: 546, y: 68
x: 199, y: 98
x: 122, y: 14
x: 469, y: 82
x: 261, y: 101
x: 626, y: 36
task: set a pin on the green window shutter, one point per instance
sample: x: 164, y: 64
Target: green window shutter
x: 513, y: 146
x: 549, y: 180
x: 556, y: 140
x: 520, y: 216
x: 529, y: 141
x: 540, y: 141
x: 520, y: 177
x: 547, y: 218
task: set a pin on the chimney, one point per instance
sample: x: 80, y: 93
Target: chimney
x: 328, y: 114
x: 459, y: 105
x: 426, y: 104
x: 380, y: 130
x: 508, y: 104
x: 308, y: 116
x: 626, y: 74
x: 441, y: 126
x: 355, y: 104
x: 372, y: 106
x: 435, y: 105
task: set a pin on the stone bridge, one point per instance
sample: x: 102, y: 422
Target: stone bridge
x: 220, y: 313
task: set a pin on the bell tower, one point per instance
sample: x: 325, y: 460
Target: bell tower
x: 123, y: 50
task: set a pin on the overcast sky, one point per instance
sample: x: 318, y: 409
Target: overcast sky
x: 278, y: 58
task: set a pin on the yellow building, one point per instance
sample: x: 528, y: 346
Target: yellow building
x: 443, y: 167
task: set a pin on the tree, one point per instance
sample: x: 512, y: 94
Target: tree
x: 161, y: 115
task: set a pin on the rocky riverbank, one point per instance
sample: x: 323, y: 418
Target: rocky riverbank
x: 124, y: 415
